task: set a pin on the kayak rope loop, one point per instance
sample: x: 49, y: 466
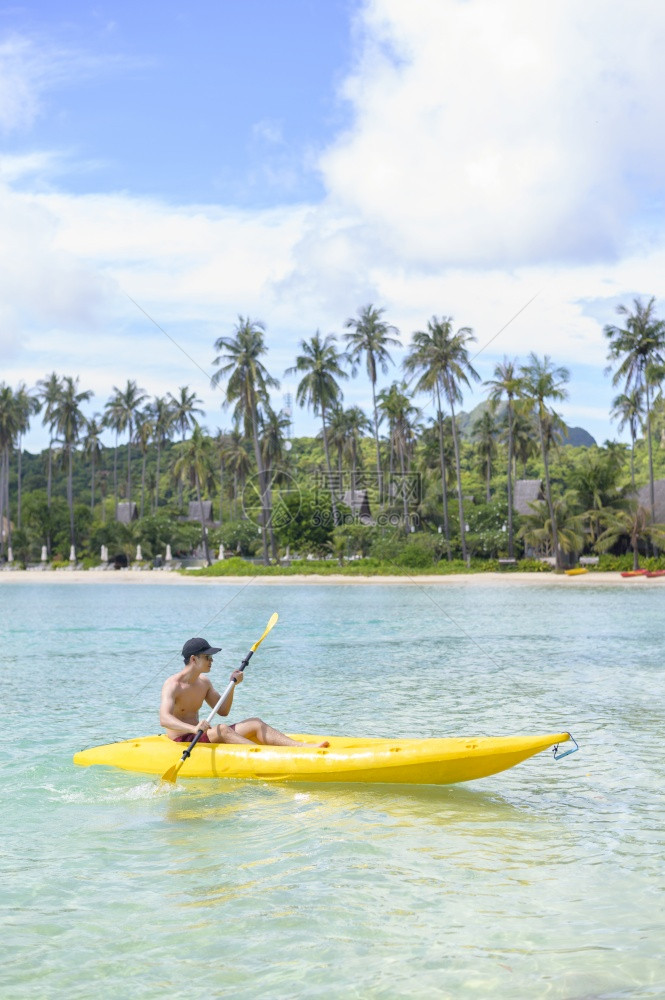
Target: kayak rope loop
x: 559, y: 755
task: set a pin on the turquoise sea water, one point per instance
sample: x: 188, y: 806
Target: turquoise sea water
x: 544, y: 881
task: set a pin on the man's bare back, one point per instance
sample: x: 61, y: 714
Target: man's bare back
x: 184, y: 693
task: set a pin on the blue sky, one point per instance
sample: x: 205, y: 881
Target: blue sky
x: 293, y: 160
x: 189, y: 102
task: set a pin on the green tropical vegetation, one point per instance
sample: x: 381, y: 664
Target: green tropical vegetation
x: 403, y: 488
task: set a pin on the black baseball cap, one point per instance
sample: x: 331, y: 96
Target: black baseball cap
x: 197, y: 646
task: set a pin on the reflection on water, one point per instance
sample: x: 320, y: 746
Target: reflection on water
x: 543, y: 881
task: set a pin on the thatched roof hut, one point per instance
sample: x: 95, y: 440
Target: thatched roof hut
x: 358, y: 503
x: 525, y: 492
x: 127, y: 511
x: 195, y: 510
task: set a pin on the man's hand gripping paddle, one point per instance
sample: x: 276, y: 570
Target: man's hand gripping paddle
x: 172, y: 774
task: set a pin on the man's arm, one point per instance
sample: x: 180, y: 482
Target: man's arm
x: 168, y: 720
x: 213, y: 696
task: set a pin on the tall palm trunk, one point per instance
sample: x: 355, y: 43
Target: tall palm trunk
x: 330, y: 475
x: 2, y: 503
x: 70, y: 494
x: 159, y: 453
x: 115, y: 475
x: 400, y: 444
x: 262, y: 485
x: 204, y: 532
x: 7, y: 503
x: 179, y: 484
x: 444, y: 484
x: 379, y: 484
x: 635, y: 544
x: 548, y: 493
x: 92, y: 483
x: 49, y: 479
x: 129, y: 465
x: 18, y: 485
x: 458, y: 469
x: 510, y: 482
x: 651, y: 481
x: 354, y: 462
x: 391, y: 457
x: 145, y: 455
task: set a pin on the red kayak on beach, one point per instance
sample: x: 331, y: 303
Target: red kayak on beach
x: 635, y: 572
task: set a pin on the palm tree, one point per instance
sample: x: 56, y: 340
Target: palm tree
x: 443, y: 358
x: 70, y: 422
x: 484, y: 433
x: 50, y: 388
x: 401, y: 415
x: 638, y: 348
x: 525, y: 435
x: 10, y: 423
x: 128, y: 403
x: 370, y: 337
x: 161, y: 416
x: 222, y: 441
x: 236, y: 457
x: 113, y: 419
x: 321, y: 364
x: 628, y: 408
x: 143, y: 435
x: 596, y: 482
x: 554, y: 527
x: 543, y: 381
x: 506, y: 382
x: 92, y: 447
x: 184, y: 406
x: 337, y: 435
x: 274, y: 427
x: 196, y: 463
x: 357, y: 424
x: 247, y: 387
x: 28, y: 404
x: 634, y: 521
x: 421, y: 360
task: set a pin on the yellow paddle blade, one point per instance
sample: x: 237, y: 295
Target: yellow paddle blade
x: 172, y: 774
x: 269, y: 626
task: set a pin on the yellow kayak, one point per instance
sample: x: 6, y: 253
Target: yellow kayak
x: 441, y: 761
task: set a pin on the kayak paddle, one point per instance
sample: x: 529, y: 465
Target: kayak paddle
x: 172, y: 774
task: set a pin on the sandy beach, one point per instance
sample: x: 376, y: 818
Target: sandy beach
x: 161, y: 579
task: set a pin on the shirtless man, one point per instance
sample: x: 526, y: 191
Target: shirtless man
x: 183, y: 695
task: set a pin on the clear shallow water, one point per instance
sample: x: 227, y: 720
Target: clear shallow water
x: 544, y: 881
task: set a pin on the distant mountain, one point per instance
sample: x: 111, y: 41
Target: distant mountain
x: 576, y: 437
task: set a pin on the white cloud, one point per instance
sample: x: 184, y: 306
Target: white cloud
x: 500, y: 134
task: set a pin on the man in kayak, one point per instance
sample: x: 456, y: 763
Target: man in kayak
x: 184, y: 693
